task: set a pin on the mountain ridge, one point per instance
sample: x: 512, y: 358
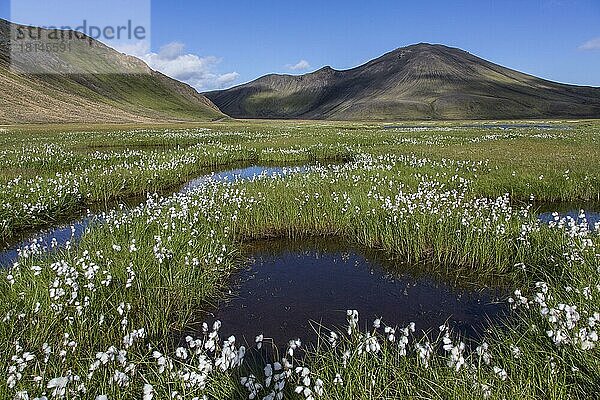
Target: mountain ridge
x: 91, y: 83
x: 421, y: 81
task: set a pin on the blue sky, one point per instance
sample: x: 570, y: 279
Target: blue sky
x: 210, y: 44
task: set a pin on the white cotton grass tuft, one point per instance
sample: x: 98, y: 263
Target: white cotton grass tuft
x: 97, y: 287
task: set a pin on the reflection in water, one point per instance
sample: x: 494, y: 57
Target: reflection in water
x: 59, y: 234
x: 246, y: 173
x: 290, y: 283
x: 45, y: 240
x: 555, y: 212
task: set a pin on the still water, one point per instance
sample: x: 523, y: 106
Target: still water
x: 57, y: 235
x: 290, y: 287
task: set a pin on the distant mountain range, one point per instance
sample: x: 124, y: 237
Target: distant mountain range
x: 91, y: 83
x: 421, y: 81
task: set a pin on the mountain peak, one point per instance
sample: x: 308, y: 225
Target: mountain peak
x: 424, y: 48
x: 325, y: 70
x: 421, y: 45
x: 420, y: 81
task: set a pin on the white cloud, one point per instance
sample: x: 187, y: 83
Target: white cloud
x: 227, y: 78
x: 172, y: 60
x: 300, y: 66
x: 171, y: 51
x: 137, y: 49
x: 592, y: 44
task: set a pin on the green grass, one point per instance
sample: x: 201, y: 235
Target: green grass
x: 429, y: 200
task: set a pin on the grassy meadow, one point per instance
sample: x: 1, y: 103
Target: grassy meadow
x: 106, y: 317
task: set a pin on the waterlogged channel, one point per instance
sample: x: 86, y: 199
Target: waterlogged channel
x: 565, y: 213
x: 290, y: 287
x: 70, y: 230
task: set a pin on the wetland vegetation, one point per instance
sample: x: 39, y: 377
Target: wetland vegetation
x: 121, y: 311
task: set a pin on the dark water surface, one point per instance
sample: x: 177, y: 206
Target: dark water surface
x: 288, y: 284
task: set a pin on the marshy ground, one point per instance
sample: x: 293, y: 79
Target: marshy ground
x: 478, y: 241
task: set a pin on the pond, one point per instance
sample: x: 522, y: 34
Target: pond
x: 59, y: 234
x: 290, y: 283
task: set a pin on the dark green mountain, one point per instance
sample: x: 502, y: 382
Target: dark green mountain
x: 422, y: 81
x: 90, y: 83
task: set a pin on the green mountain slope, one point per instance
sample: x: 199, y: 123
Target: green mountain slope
x: 91, y: 83
x: 416, y: 82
